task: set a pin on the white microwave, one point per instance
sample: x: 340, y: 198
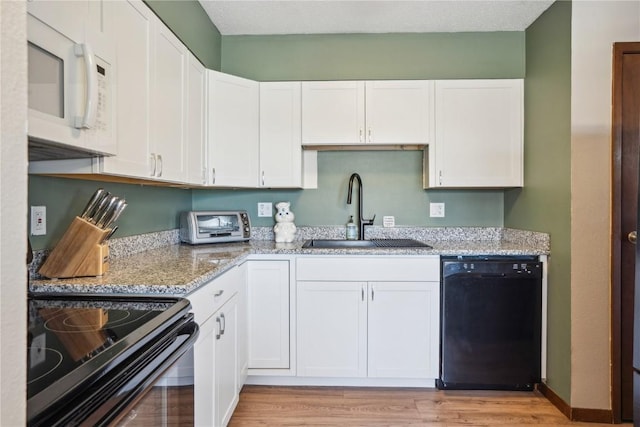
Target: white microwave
x: 70, y: 95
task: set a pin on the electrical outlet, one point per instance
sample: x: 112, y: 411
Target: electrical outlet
x: 436, y: 210
x: 388, y: 221
x: 265, y: 209
x: 38, y: 220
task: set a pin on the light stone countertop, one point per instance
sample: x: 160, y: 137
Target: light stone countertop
x: 177, y: 269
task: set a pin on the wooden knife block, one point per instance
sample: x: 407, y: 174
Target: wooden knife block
x: 79, y: 253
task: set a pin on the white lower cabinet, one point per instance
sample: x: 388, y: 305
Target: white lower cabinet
x: 204, y: 374
x: 268, y: 307
x: 226, y: 362
x: 403, y: 329
x: 373, y: 317
x: 332, y: 329
x: 219, y: 311
x: 368, y: 329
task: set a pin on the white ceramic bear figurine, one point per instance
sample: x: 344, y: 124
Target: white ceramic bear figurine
x: 284, y: 229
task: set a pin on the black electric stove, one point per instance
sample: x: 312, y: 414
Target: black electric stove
x: 90, y: 357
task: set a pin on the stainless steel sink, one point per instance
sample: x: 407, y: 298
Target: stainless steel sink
x: 360, y: 244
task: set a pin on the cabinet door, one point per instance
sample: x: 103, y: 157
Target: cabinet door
x: 280, y: 133
x: 268, y: 314
x: 196, y: 154
x: 399, y: 112
x: 226, y: 362
x: 241, y: 276
x: 233, y: 130
x: 204, y: 374
x: 403, y: 329
x: 67, y: 17
x: 133, y: 41
x: 168, y: 107
x: 479, y: 134
x: 333, y: 113
x: 331, y: 329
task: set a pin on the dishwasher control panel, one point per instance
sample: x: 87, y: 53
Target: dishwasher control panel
x: 492, y: 266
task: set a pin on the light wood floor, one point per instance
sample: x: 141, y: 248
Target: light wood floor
x: 338, y: 406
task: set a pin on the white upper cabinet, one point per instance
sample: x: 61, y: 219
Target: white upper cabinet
x: 399, y: 112
x: 371, y: 112
x: 152, y: 96
x: 196, y: 118
x: 168, y: 106
x: 233, y: 129
x: 479, y: 134
x: 333, y: 113
x: 134, y: 40
x: 280, y: 124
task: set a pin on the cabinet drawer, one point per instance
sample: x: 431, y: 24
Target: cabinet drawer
x: 369, y: 268
x: 208, y: 298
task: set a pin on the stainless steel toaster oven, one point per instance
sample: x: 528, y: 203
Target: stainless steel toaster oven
x: 198, y: 227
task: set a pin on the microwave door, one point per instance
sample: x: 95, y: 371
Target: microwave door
x: 46, y: 82
x: 56, y: 81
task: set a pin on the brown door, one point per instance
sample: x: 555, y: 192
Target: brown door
x: 626, y: 155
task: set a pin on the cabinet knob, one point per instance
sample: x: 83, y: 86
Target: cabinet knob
x: 633, y: 237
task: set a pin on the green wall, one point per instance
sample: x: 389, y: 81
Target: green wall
x: 148, y: 208
x: 375, y: 56
x: 188, y: 20
x: 392, y: 185
x: 544, y: 204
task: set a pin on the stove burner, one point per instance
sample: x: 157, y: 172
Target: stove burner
x: 42, y: 361
x: 86, y: 319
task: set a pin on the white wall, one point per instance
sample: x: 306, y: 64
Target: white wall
x: 595, y: 26
x: 13, y: 209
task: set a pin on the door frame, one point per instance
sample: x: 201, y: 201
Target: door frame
x: 619, y: 49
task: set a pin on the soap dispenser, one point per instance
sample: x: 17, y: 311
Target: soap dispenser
x: 352, y: 229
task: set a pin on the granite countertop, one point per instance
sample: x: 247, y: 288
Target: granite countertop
x: 171, y: 268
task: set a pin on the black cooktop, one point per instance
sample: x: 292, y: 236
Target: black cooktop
x: 74, y: 341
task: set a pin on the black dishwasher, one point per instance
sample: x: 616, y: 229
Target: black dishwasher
x: 491, y: 316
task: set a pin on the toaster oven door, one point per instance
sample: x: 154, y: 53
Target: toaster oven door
x: 217, y: 225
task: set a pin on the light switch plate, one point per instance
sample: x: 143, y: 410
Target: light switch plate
x: 436, y: 210
x: 265, y: 209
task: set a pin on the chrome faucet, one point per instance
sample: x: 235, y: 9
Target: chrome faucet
x: 361, y: 221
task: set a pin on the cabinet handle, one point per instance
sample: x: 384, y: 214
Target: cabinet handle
x: 362, y: 292
x: 217, y: 294
x: 224, y: 324
x: 213, y: 175
x: 160, y: 168
x: 219, y: 331
x: 361, y: 132
x: 152, y: 158
x: 369, y: 135
x: 372, y: 293
x: 262, y: 178
x: 204, y: 175
x: 439, y: 177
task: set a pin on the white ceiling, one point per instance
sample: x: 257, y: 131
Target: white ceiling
x: 236, y: 17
